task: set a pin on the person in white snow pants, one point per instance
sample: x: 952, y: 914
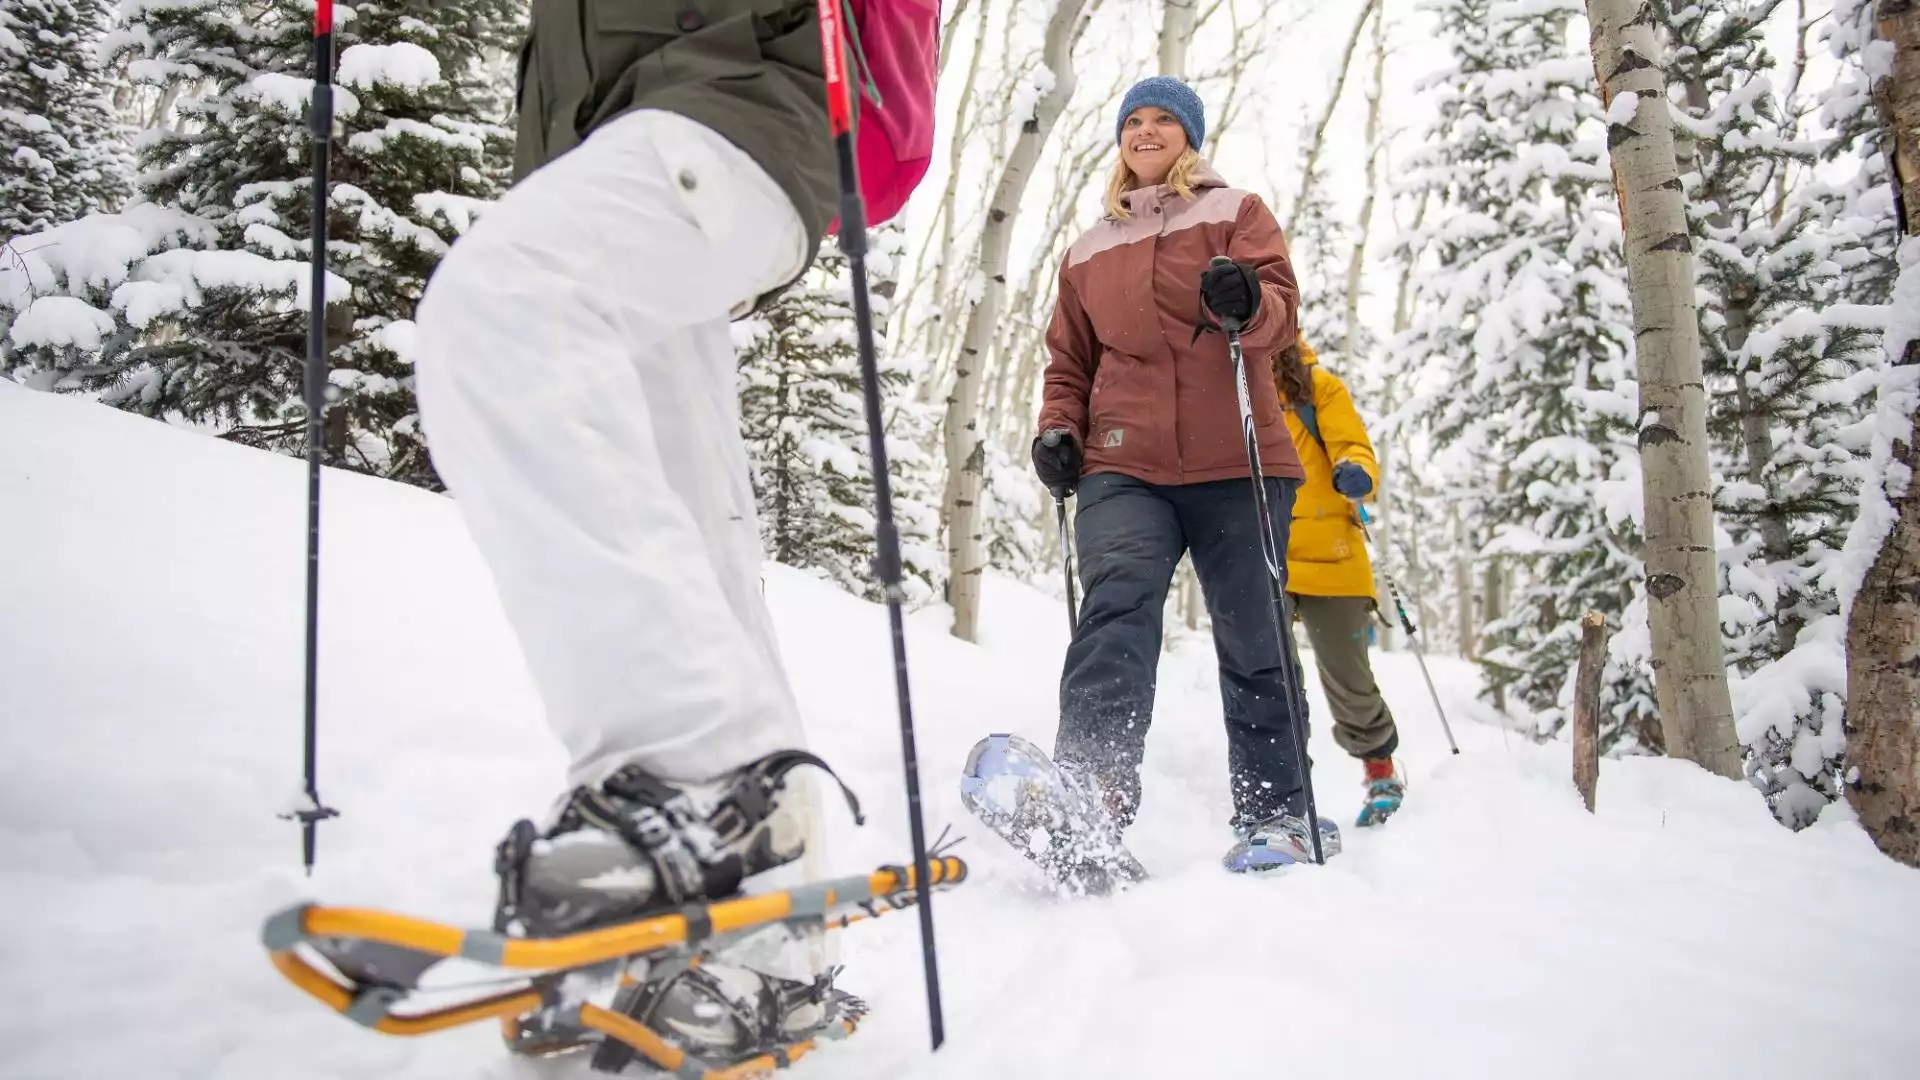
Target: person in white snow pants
x: 576, y: 380
x: 577, y: 386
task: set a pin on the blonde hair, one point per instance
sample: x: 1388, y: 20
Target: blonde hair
x: 1179, y: 178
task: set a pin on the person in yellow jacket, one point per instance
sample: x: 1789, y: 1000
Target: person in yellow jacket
x: 1329, y: 574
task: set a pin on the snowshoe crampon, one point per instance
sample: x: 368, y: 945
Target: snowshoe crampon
x: 1049, y: 814
x: 376, y: 968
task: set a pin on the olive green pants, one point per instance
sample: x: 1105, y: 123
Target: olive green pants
x: 1337, y: 632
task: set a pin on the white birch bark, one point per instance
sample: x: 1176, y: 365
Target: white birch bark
x: 949, y: 211
x: 1690, y: 675
x: 965, y: 437
x: 1357, y: 261
x: 1463, y: 586
x: 947, y: 31
x: 1176, y: 36
x: 942, y: 224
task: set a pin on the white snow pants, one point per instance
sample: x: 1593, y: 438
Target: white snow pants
x: 576, y: 378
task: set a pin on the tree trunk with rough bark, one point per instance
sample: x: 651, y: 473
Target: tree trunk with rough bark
x: 1898, y: 99
x: 1176, y: 36
x: 1883, y: 627
x: 1690, y: 674
x: 1586, y: 706
x: 965, y: 435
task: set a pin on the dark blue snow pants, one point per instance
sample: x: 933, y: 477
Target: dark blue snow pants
x: 1131, y: 536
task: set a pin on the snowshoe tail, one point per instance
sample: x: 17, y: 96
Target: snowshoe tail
x: 373, y: 967
x: 1048, y: 815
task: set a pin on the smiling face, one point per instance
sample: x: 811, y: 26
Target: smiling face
x: 1151, y: 140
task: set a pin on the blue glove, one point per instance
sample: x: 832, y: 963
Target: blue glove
x: 1351, y: 480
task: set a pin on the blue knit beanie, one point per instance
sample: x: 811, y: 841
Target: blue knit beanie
x: 1172, y: 95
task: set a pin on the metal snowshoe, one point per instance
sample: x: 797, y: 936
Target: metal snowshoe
x: 1280, y: 842
x: 1048, y: 813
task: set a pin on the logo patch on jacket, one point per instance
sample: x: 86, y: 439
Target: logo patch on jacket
x: 1113, y: 437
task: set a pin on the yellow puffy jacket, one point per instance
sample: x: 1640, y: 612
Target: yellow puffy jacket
x: 1326, y: 551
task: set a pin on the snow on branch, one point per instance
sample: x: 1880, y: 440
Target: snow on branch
x: 401, y: 64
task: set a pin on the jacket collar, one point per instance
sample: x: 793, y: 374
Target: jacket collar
x: 1140, y: 200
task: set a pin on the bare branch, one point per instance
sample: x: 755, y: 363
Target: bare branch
x: 1318, y: 142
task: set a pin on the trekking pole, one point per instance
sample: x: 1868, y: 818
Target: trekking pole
x: 1413, y: 638
x: 853, y: 242
x: 1276, y: 569
x: 320, y: 127
x: 1052, y: 438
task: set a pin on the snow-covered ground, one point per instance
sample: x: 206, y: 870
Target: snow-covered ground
x: 150, y: 687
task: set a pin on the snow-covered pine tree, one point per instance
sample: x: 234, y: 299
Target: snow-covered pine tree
x: 1780, y: 352
x: 1521, y: 339
x: 804, y: 419
x: 419, y: 148
x: 64, y: 153
x: 916, y: 461
x: 1859, y: 203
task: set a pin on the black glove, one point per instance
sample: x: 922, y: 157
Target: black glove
x: 1056, y: 458
x: 1351, y: 480
x: 1231, y: 292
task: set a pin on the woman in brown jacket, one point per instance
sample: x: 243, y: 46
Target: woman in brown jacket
x: 1141, y: 399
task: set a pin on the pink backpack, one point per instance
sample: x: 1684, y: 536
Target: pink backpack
x: 896, y: 50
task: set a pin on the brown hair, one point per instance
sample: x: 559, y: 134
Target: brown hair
x: 1291, y: 375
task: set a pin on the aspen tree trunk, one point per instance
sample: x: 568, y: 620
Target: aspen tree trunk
x: 1883, y: 627
x: 1176, y: 36
x: 1356, y: 271
x: 1357, y: 262
x: 965, y: 438
x: 947, y: 32
x: 1319, y: 140
x: 949, y: 208
x: 1493, y: 607
x: 1690, y: 673
x: 1790, y: 109
x: 1756, y: 431
x: 1463, y: 586
x: 1011, y: 408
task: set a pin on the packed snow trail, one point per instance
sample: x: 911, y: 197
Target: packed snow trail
x: 1493, y: 930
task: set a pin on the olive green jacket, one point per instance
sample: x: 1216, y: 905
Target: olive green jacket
x: 749, y: 69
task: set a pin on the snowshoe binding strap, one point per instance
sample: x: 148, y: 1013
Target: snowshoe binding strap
x: 690, y: 836
x: 750, y: 794
x: 509, y: 863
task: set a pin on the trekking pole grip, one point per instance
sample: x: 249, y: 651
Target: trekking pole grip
x: 1051, y: 438
x: 1231, y: 326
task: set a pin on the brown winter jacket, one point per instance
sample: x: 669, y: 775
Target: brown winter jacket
x: 1126, y: 375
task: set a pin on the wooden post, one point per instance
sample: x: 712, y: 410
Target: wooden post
x: 1586, y: 706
